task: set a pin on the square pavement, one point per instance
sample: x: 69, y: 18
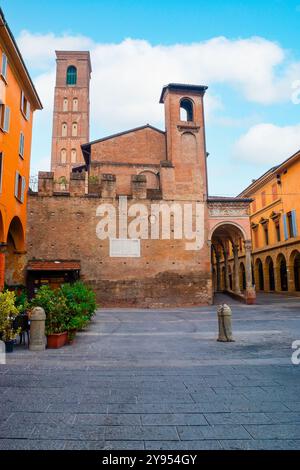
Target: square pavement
x: 157, y: 379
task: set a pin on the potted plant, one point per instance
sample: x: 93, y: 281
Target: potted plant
x: 8, y: 312
x: 54, y: 304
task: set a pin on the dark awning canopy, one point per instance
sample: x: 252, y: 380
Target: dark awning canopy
x: 46, y: 265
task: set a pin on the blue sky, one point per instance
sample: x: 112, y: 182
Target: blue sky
x: 247, y: 52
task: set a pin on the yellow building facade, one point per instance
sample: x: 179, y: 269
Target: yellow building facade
x: 275, y: 227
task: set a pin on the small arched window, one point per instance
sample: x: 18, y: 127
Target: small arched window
x: 75, y: 104
x: 71, y: 75
x: 64, y: 129
x: 63, y: 155
x: 74, y: 129
x: 73, y: 156
x: 65, y: 104
x: 186, y: 110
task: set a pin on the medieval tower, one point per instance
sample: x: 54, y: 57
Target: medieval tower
x: 71, y: 111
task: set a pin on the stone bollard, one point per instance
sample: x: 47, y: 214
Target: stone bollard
x: 225, y: 329
x: 37, y: 330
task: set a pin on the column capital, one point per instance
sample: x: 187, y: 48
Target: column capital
x: 235, y: 248
x: 248, y: 245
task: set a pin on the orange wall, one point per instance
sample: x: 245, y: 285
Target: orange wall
x: 9, y: 146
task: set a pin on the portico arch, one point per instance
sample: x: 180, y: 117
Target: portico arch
x: 259, y: 274
x: 270, y: 273
x: 294, y: 267
x: 282, y: 274
x: 14, y: 253
x: 229, y: 239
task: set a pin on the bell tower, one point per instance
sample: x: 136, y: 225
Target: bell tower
x: 71, y: 111
x: 185, y: 134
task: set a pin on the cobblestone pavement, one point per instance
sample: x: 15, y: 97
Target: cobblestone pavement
x: 157, y: 379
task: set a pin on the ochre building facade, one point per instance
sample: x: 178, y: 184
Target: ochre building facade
x: 275, y: 215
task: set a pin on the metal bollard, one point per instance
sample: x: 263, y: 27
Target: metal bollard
x: 37, y: 330
x: 224, y: 319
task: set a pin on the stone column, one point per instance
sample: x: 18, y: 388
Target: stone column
x: 2, y: 266
x: 227, y: 284
x: 236, y: 280
x: 290, y: 277
x: 277, y: 277
x: 218, y: 272
x: 248, y: 249
x: 250, y: 292
x: 37, y: 330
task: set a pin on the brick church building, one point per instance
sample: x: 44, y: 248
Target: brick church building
x: 131, y: 174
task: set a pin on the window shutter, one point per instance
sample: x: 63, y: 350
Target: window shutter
x: 16, y: 184
x: 6, y: 119
x: 22, y: 101
x: 21, y: 146
x: 28, y: 111
x: 294, y: 223
x: 4, y: 66
x: 23, y: 189
x: 285, y: 230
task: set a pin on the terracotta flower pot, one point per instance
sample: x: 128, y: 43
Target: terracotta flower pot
x: 58, y: 340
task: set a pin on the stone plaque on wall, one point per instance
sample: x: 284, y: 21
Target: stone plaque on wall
x: 124, y: 248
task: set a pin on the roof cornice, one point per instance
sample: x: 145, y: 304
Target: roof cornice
x: 18, y: 61
x: 183, y: 88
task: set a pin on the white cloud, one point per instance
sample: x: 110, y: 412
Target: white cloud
x: 267, y: 143
x: 128, y: 77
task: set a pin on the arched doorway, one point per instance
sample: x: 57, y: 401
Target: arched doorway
x: 2, y: 255
x: 297, y: 272
x: 14, y: 257
x: 282, y: 269
x: 260, y: 274
x: 270, y: 270
x: 294, y: 264
x: 230, y: 246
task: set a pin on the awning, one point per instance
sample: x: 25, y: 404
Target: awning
x: 41, y: 265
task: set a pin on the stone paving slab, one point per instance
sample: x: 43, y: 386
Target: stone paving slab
x: 157, y: 379
x: 263, y: 444
x: 191, y: 433
x: 183, y: 445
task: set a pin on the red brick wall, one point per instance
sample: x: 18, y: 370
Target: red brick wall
x: 165, y: 275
